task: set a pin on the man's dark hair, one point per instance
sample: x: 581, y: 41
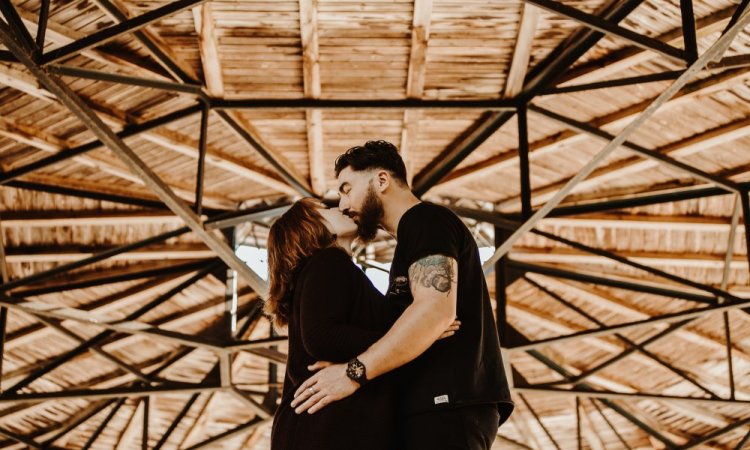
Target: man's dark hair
x: 374, y: 155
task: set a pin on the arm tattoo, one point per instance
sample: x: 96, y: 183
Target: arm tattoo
x: 434, y: 271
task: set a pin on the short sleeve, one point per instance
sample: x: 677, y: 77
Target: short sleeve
x: 431, y: 230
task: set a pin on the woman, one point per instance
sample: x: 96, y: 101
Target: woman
x: 332, y: 313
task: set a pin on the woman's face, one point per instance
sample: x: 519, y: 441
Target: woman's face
x: 337, y: 223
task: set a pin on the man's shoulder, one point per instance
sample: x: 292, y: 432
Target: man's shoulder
x: 430, y: 214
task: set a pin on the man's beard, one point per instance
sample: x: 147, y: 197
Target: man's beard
x: 370, y: 216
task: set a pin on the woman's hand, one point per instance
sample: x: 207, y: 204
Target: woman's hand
x: 451, y: 330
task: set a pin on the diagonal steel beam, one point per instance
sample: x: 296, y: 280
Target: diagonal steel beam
x: 170, y: 66
x: 41, y: 29
x: 115, y: 31
x: 679, y: 372
x: 511, y: 225
x: 539, y: 78
x: 78, y: 283
x: 116, y: 392
x: 100, y: 428
x: 584, y: 387
x: 252, y: 424
x: 665, y: 318
x: 128, y: 131
x: 604, y: 26
x: 607, y: 395
x: 103, y: 335
x: 716, y: 434
x: 76, y: 105
x: 77, y: 419
x: 16, y: 24
x: 286, y: 172
x: 581, y: 127
x: 715, y: 51
x: 99, y: 75
x: 292, y: 178
x: 619, y: 284
x: 643, y: 199
x: 55, y: 271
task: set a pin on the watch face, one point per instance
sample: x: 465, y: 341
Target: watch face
x: 355, y: 370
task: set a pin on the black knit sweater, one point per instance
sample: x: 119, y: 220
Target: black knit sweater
x: 336, y: 314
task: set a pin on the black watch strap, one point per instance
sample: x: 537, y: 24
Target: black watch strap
x: 357, y: 371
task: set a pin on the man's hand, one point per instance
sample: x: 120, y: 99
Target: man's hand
x: 325, y: 387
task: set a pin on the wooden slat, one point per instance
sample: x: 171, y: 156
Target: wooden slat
x: 205, y: 27
x: 522, y: 51
x: 420, y: 37
x: 308, y: 19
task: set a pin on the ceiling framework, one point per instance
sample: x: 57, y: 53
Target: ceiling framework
x: 620, y: 231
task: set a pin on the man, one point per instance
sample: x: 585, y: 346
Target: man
x: 453, y: 392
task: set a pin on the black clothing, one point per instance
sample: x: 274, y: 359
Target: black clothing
x: 467, y: 428
x: 465, y: 369
x: 336, y: 314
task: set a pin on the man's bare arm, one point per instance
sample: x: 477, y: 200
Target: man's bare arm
x: 433, y: 284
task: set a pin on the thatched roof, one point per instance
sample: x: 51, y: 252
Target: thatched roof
x: 272, y: 72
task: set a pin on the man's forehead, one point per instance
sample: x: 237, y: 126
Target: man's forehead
x: 347, y: 175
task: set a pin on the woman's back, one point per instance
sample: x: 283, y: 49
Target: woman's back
x: 335, y: 315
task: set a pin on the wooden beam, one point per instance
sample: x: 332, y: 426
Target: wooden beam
x: 204, y: 25
x: 420, y: 37
x: 308, y: 20
x: 119, y: 217
x: 616, y: 119
x: 522, y: 51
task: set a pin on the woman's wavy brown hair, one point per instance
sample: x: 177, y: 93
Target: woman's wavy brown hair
x: 296, y: 235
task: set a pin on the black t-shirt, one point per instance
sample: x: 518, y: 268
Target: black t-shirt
x: 466, y: 368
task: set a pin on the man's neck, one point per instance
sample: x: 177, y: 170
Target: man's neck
x: 394, y: 208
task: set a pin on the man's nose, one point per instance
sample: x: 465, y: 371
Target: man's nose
x: 343, y: 205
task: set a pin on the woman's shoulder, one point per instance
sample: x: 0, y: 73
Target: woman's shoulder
x: 325, y: 258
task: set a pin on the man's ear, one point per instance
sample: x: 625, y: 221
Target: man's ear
x: 382, y: 180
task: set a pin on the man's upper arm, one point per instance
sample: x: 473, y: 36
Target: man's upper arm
x: 435, y: 278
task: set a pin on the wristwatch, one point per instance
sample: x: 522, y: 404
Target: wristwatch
x: 357, y: 371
